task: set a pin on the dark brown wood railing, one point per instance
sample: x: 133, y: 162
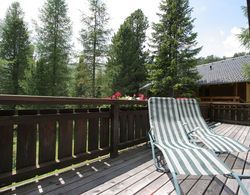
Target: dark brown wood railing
x: 226, y: 112
x: 206, y: 110
x: 37, y: 141
x: 220, y: 99
x: 234, y: 113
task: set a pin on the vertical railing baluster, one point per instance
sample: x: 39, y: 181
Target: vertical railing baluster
x: 114, y: 130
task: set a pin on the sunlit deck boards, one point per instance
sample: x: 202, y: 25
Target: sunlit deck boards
x: 133, y: 173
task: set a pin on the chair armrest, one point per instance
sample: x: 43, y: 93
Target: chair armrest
x: 195, y: 130
x: 212, y: 127
x: 191, y: 132
x: 152, y: 139
x: 151, y: 136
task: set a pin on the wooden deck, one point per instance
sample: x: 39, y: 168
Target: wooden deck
x: 133, y: 172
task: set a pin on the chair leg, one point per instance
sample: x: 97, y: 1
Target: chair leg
x: 176, y: 184
x: 242, y: 186
x: 244, y: 176
x: 156, y: 160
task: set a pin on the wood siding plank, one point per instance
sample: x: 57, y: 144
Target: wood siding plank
x: 47, y: 140
x: 93, y: 131
x: 26, y: 145
x: 104, y: 132
x: 80, y: 136
x: 6, y: 140
x: 65, y: 135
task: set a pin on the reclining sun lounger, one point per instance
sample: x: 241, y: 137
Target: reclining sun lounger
x: 182, y: 157
x: 196, y: 127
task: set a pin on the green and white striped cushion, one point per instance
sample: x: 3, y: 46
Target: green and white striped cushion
x: 181, y: 156
x: 165, y: 121
x: 193, y: 162
x: 190, y: 114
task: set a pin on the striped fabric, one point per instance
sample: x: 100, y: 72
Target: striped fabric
x: 182, y: 157
x: 190, y: 115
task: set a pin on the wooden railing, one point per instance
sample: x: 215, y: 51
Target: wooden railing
x: 37, y: 141
x: 221, y: 99
x: 234, y: 113
x: 206, y: 110
x: 226, y: 112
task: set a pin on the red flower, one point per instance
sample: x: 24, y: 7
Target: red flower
x: 118, y: 94
x: 141, y: 96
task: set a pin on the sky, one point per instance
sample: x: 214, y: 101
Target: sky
x: 217, y: 22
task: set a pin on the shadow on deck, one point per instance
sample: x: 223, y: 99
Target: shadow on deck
x: 133, y: 172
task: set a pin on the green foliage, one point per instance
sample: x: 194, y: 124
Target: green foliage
x: 173, y: 72
x: 126, y: 60
x: 2, y: 64
x: 15, y: 50
x: 244, y: 37
x: 29, y: 84
x: 208, y: 59
x: 94, y: 36
x: 240, y: 54
x: 53, y: 49
x: 212, y: 58
x: 1, y: 28
x: 82, y: 79
x: 102, y: 88
x: 246, y: 69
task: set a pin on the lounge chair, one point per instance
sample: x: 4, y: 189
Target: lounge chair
x: 196, y: 128
x: 181, y: 157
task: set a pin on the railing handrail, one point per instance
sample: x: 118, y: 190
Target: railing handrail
x: 26, y: 99
x: 227, y: 103
x: 222, y: 97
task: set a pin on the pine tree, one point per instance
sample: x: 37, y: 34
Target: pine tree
x: 94, y: 36
x: 244, y: 37
x: 29, y: 83
x: 102, y: 89
x: 82, y: 79
x: 53, y: 49
x: 173, y: 72
x: 2, y: 62
x: 127, y: 58
x: 15, y: 50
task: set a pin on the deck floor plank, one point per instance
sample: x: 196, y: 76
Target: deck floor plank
x: 155, y: 185
x: 168, y: 188
x: 133, y: 172
x: 72, y: 176
x: 138, y: 185
x: 101, y: 177
x: 201, y: 184
x: 121, y: 179
x: 222, y: 129
x: 218, y: 182
x: 247, y: 162
x: 231, y: 186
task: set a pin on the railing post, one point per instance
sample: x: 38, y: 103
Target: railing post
x: 114, y: 130
x: 212, y: 112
